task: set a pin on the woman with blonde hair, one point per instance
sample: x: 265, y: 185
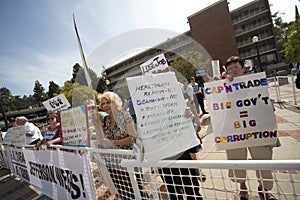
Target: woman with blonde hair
x: 119, y: 132
x: 118, y: 126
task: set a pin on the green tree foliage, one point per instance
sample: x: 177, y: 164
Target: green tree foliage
x: 77, y: 94
x: 7, y: 100
x: 38, y: 93
x: 184, y: 66
x: 54, y: 89
x: 280, y: 29
x: 292, y: 46
x: 79, y: 76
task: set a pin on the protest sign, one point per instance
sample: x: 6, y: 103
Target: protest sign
x: 58, y: 174
x: 15, y: 136
x: 199, y: 72
x: 74, y: 126
x: 216, y: 68
x: 56, y: 103
x: 159, y: 105
x: 155, y: 65
x: 241, y: 112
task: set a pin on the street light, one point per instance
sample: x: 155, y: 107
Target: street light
x: 255, y: 41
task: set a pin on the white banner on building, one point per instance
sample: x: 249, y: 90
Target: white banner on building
x: 57, y: 103
x: 241, y: 112
x: 74, y: 126
x: 58, y: 174
x: 160, y: 107
x: 155, y: 65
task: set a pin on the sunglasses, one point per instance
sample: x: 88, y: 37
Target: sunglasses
x: 108, y: 102
x: 50, y: 118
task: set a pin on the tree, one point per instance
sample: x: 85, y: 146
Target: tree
x: 79, y: 76
x: 184, y: 66
x: 292, y: 46
x: 54, y: 89
x: 38, y: 93
x: 7, y: 100
x: 77, y: 94
x: 280, y: 29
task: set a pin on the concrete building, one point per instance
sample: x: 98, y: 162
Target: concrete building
x: 254, y: 34
x: 220, y: 32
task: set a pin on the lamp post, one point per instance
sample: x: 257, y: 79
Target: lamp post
x: 255, y: 41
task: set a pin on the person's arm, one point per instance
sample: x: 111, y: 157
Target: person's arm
x: 54, y: 141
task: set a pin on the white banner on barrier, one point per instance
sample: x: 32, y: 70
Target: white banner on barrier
x: 58, y: 174
x: 241, y: 112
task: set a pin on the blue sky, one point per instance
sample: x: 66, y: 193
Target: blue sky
x: 38, y: 40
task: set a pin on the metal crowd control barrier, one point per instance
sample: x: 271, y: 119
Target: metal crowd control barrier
x: 116, y: 175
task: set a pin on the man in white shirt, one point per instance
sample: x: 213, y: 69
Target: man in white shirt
x: 188, y: 93
x: 33, y: 133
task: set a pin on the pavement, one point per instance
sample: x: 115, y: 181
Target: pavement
x: 287, y: 111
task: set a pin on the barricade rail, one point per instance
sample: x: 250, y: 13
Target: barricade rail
x: 116, y: 175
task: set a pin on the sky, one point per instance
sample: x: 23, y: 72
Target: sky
x: 38, y: 41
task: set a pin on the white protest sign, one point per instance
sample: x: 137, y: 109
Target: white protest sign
x: 58, y: 174
x: 241, y: 112
x: 57, y: 103
x: 159, y: 105
x: 216, y: 68
x: 15, y: 136
x: 155, y: 65
x: 74, y: 126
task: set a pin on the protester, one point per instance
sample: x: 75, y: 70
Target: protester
x: 32, y: 132
x: 119, y: 132
x: 53, y: 134
x: 183, y: 181
x: 199, y: 96
x: 235, y: 67
x: 7, y: 137
x: 188, y: 96
x: 129, y: 106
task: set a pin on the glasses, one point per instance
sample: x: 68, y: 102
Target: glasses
x: 50, y: 118
x: 107, y: 103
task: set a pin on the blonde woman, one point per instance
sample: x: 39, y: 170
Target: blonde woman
x: 118, y: 125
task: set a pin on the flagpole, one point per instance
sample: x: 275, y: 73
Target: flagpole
x: 99, y: 131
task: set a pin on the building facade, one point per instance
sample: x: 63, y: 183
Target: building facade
x: 220, y: 32
x: 254, y: 34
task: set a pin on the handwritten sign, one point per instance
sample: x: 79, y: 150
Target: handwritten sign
x: 155, y: 65
x: 15, y: 136
x: 241, y: 111
x: 199, y: 72
x: 59, y: 175
x: 160, y: 108
x: 56, y: 103
x: 74, y: 126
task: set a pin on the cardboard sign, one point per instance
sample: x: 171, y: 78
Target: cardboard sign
x: 159, y: 105
x: 241, y: 112
x: 74, y: 126
x: 15, y: 136
x: 155, y: 65
x: 58, y: 174
x: 57, y: 103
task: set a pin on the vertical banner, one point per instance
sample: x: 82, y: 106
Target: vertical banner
x: 155, y: 65
x: 58, y: 174
x: 56, y: 103
x: 74, y: 126
x: 241, y: 112
x: 160, y: 107
x: 216, y: 68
